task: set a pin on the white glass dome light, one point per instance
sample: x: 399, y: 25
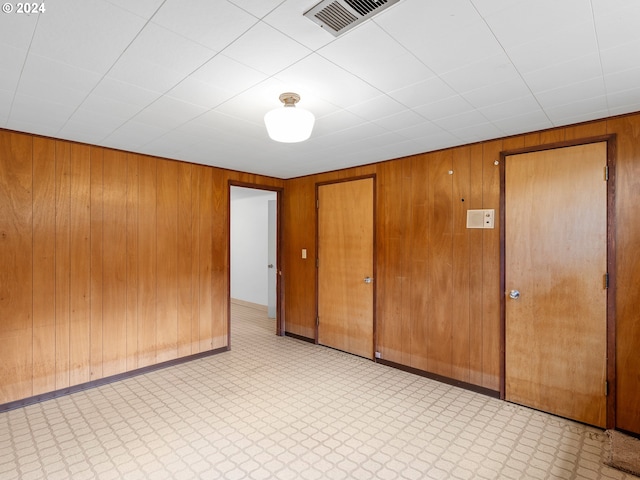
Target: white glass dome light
x: 289, y: 124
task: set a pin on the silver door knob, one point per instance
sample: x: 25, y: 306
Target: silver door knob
x: 270, y: 265
x: 514, y: 294
x: 368, y: 279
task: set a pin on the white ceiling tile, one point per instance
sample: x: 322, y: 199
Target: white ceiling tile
x: 159, y: 59
x: 6, y: 99
x: 498, y: 93
x: 55, y: 81
x: 126, y: 98
x: 143, y: 8
x: 562, y: 74
x: 266, y: 49
x: 524, y: 22
x: 521, y: 105
x: 288, y: 18
x: 461, y: 120
x: 616, y: 22
x: 109, y: 28
x: 627, y: 100
x: 621, y: 81
x: 325, y: 80
x: 17, y: 30
x: 528, y: 122
x: 169, y: 113
x: 11, y: 62
x: 420, y: 129
x: 477, y: 132
x: 576, y: 41
x: 480, y: 74
x: 216, y: 25
x: 382, y: 106
x: 426, y: 92
x: 593, y: 87
x: 135, y: 134
x: 229, y: 75
x: 444, y: 108
x: 258, y: 8
x: 40, y: 111
x: 584, y: 110
x: 198, y: 92
x: 377, y: 60
x: 620, y: 58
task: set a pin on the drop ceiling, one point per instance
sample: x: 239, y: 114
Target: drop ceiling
x: 192, y: 80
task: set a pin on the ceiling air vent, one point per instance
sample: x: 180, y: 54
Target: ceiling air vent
x: 338, y: 16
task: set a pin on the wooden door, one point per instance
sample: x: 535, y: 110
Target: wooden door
x: 556, y: 258
x: 345, y: 260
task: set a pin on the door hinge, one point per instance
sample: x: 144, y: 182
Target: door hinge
x: 606, y: 173
x: 317, y: 203
x: 606, y: 281
x: 606, y: 388
x: 317, y: 321
x: 317, y: 262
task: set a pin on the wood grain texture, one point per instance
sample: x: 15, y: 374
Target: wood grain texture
x: 220, y: 289
x: 16, y: 278
x: 44, y: 284
x: 627, y: 300
x: 132, y: 262
x: 556, y: 250
x: 97, y: 224
x: 167, y: 265
x: 345, y: 254
x: 185, y: 258
x: 114, y: 269
x: 439, y: 343
x: 205, y: 242
x: 460, y: 315
x: 80, y: 266
x: 147, y: 261
x: 63, y: 258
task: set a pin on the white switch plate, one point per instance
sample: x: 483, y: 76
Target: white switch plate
x: 304, y: 253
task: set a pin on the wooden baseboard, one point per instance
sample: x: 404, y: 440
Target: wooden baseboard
x: 104, y: 381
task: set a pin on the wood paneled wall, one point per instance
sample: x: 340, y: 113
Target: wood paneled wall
x: 438, y: 283
x: 109, y: 262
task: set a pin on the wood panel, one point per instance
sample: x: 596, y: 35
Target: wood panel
x: 219, y: 264
x: 132, y: 261
x: 16, y: 279
x: 96, y: 261
x: 476, y: 267
x: 205, y: 242
x: 460, y: 334
x: 63, y: 258
x: 628, y: 271
x: 440, y: 260
x: 114, y: 269
x: 167, y: 269
x: 80, y: 266
x: 147, y: 261
x: 420, y: 248
x: 44, y: 284
x: 185, y: 258
x: 491, y: 295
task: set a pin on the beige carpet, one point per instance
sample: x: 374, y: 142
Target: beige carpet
x: 624, y: 453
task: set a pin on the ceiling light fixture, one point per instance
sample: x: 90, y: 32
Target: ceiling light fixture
x: 289, y: 124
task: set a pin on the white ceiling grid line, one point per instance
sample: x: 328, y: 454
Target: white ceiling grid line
x: 193, y: 80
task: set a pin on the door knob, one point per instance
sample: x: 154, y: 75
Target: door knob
x: 270, y: 265
x: 368, y: 279
x: 514, y: 294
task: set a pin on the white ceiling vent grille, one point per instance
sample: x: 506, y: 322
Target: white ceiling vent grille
x: 338, y: 16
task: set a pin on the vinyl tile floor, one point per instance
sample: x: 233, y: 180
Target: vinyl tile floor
x: 279, y: 408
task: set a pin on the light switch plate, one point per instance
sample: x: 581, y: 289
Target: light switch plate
x: 481, y: 218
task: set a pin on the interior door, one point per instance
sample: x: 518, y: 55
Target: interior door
x: 556, y: 300
x: 345, y: 266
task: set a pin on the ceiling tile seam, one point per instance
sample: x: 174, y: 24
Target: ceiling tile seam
x: 484, y: 20
x: 411, y: 107
x: 24, y: 63
x: 149, y: 20
x: 604, y: 78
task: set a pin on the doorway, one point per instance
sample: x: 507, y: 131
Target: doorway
x: 345, y: 266
x: 556, y: 264
x: 253, y: 252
